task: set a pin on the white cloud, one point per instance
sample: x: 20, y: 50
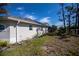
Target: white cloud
x: 20, y: 8
x: 59, y: 24
x: 30, y: 16
x: 45, y: 19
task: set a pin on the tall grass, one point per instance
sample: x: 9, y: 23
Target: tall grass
x: 46, y: 45
x: 29, y: 47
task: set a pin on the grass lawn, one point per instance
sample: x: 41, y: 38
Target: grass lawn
x: 45, y: 46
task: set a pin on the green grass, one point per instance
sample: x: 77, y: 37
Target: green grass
x: 46, y: 45
x: 29, y: 47
x: 3, y: 43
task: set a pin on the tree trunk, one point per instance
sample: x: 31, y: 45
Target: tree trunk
x: 63, y: 15
x: 78, y: 17
x: 77, y: 20
x: 69, y: 24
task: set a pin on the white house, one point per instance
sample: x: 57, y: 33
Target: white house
x: 15, y: 29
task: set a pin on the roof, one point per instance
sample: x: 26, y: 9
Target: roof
x: 26, y: 20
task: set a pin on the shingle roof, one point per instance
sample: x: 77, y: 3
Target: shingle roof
x: 27, y: 20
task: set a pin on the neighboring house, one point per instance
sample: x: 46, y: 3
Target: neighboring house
x: 15, y: 29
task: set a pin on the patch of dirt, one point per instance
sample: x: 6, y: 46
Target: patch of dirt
x: 67, y: 46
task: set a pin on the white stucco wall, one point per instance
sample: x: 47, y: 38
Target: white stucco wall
x: 5, y: 34
x: 23, y: 32
x: 44, y: 31
x: 12, y: 34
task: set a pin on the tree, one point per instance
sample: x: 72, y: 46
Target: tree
x: 63, y: 14
x: 69, y: 14
x: 77, y: 17
x: 75, y: 11
x: 54, y: 28
x: 69, y: 10
x: 61, y: 31
x: 2, y: 9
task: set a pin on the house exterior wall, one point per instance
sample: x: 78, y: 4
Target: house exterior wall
x: 16, y: 33
x: 9, y: 32
x: 22, y: 32
x: 5, y: 34
x: 12, y: 34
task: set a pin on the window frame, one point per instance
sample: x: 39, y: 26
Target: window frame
x: 30, y: 27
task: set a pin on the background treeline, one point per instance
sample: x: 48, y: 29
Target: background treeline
x: 69, y: 15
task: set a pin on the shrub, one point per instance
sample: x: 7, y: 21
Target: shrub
x: 61, y: 31
x: 51, y: 34
x: 3, y: 43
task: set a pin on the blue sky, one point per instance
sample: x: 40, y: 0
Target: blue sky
x: 37, y: 11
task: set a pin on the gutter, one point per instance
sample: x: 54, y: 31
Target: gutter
x: 17, y: 31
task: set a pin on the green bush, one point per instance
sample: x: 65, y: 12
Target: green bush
x: 61, y: 31
x: 3, y: 43
x: 51, y: 34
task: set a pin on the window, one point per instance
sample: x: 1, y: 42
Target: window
x: 2, y: 27
x: 30, y: 27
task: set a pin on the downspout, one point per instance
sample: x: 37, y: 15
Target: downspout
x: 17, y: 31
x: 37, y: 32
